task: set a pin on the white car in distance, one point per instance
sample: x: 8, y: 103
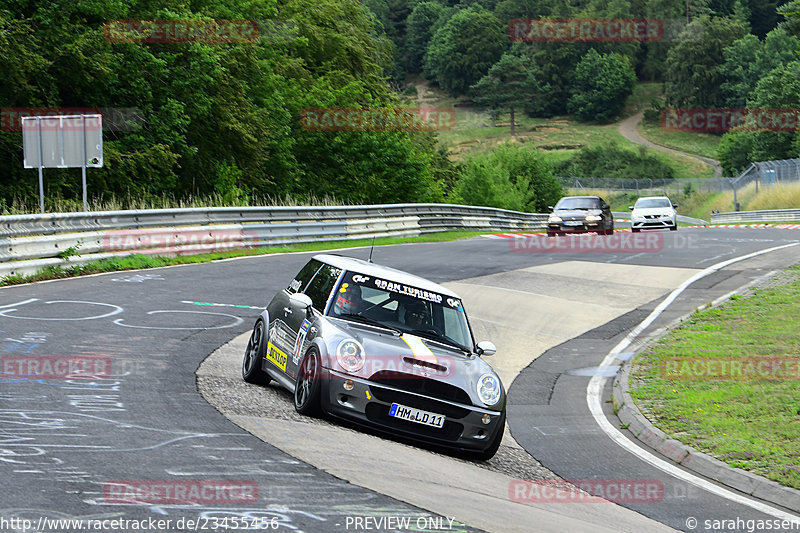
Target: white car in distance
x: 653, y: 212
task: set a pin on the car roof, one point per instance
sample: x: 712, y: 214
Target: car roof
x: 384, y: 272
x: 593, y: 197
x: 653, y: 198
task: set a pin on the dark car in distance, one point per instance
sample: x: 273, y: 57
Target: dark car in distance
x: 580, y: 214
x: 382, y: 348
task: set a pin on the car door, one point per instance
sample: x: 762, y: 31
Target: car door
x: 301, y: 324
x: 283, y: 325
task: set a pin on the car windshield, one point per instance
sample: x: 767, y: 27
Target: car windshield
x: 578, y: 203
x: 646, y: 203
x: 403, y: 308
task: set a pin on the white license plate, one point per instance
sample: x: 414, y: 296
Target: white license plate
x: 573, y: 223
x: 416, y: 415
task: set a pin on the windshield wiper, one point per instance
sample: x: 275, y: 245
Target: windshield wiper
x: 441, y: 339
x: 370, y: 321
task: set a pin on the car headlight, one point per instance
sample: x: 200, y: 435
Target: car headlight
x: 489, y: 389
x: 554, y: 219
x: 593, y: 218
x: 350, y: 355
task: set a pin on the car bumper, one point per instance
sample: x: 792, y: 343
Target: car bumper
x: 368, y: 403
x: 653, y: 223
x: 582, y: 228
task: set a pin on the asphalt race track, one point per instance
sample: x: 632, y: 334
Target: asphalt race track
x: 122, y: 445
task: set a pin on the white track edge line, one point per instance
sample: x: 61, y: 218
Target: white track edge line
x: 594, y: 399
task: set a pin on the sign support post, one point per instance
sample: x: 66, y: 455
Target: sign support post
x: 41, y: 178
x: 83, y: 162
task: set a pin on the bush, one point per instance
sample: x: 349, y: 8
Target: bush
x: 612, y: 161
x: 511, y: 177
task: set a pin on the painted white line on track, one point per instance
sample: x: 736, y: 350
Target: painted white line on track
x: 595, y: 388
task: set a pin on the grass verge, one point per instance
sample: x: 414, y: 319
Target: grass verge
x: 753, y: 424
x: 142, y: 261
x: 703, y: 144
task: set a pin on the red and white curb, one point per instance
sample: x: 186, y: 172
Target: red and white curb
x: 753, y: 226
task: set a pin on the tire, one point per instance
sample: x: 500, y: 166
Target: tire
x: 307, y: 388
x: 674, y: 228
x: 636, y: 230
x: 551, y: 234
x: 254, y: 354
x: 489, y: 452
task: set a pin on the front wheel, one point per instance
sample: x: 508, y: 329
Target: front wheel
x: 254, y: 354
x: 673, y: 228
x: 307, y: 389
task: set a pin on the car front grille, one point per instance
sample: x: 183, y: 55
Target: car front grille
x: 420, y: 385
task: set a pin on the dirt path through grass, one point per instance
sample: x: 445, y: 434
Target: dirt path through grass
x: 627, y: 128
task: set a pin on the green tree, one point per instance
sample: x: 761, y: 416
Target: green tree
x: 734, y: 152
x: 602, y: 84
x: 211, y: 117
x: 510, y: 177
x: 748, y: 59
x: 510, y: 84
x: 780, y: 89
x: 484, y: 183
x: 692, y: 77
x: 738, y: 69
x: 791, y: 17
x: 419, y: 30
x: 464, y: 49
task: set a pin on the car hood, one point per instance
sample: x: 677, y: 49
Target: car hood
x: 653, y: 211
x: 576, y: 214
x: 407, y: 356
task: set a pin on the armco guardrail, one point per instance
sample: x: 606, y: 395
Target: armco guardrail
x: 29, y: 243
x: 771, y: 215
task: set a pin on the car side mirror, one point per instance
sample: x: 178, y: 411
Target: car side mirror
x: 300, y: 300
x: 675, y: 206
x: 630, y: 207
x: 486, y: 348
x: 550, y: 207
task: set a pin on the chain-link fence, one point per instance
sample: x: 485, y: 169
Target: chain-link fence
x: 648, y: 186
x: 762, y: 174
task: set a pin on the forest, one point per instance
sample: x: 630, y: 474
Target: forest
x: 208, y: 100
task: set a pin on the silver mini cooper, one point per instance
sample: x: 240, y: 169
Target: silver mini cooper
x: 383, y: 348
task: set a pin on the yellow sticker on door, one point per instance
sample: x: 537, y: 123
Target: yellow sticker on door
x: 275, y: 355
